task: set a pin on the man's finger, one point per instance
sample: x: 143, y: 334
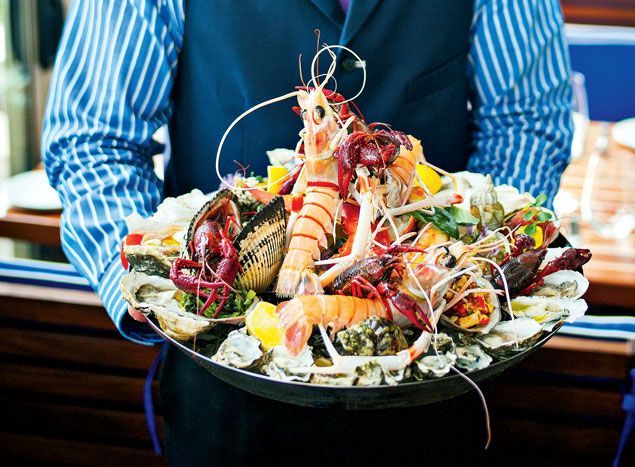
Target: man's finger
x: 137, y: 315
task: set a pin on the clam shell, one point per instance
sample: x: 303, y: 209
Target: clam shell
x: 157, y: 295
x: 206, y: 211
x: 495, y: 316
x: 260, y: 247
x: 503, y: 337
x: 548, y: 311
x: 563, y: 284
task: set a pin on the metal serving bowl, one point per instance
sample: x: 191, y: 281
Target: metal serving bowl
x: 356, y: 397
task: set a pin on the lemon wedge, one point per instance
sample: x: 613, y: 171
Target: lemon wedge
x: 264, y: 324
x: 276, y: 175
x: 430, y: 178
x: 537, y: 235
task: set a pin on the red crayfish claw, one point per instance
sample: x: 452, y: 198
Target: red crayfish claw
x: 372, y: 148
x: 395, y: 300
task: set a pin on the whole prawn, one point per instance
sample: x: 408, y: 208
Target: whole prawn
x: 308, y: 235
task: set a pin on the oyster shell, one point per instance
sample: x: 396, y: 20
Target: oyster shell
x: 548, y: 311
x: 433, y: 366
x: 334, y: 380
x: 238, y: 350
x: 471, y: 357
x: 494, y: 317
x: 151, y: 260
x: 159, y: 296
x: 509, y: 337
x: 369, y: 374
x: 509, y: 196
x: 563, y: 284
x: 171, y: 220
x: 260, y: 246
x: 373, y: 336
x: 171, y: 212
x: 279, y: 361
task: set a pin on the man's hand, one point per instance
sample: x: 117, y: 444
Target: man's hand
x: 137, y: 315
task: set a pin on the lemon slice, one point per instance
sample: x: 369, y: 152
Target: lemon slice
x: 537, y: 235
x: 429, y: 177
x: 264, y: 324
x: 276, y: 175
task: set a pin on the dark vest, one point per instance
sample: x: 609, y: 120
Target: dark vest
x: 238, y: 53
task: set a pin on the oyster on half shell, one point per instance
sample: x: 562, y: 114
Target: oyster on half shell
x: 471, y: 357
x: 494, y: 317
x: 279, y: 361
x: 159, y: 296
x: 238, y: 350
x: 150, y: 259
x: 510, y: 337
x: 563, y: 284
x: 548, y: 311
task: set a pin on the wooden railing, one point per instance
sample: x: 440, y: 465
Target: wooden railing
x: 612, y: 12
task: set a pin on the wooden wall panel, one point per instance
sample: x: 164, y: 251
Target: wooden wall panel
x: 611, y: 12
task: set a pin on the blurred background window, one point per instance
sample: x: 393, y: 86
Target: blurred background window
x: 29, y: 34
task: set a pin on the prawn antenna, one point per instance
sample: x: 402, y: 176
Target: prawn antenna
x: 300, y: 67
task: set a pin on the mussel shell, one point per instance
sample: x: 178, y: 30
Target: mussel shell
x: 207, y: 210
x: 260, y: 247
x: 494, y: 317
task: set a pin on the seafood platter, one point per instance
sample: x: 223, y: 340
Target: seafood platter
x: 355, y: 273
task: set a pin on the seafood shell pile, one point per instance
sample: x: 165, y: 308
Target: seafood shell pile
x: 354, y: 261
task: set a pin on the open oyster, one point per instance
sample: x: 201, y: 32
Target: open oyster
x: 279, y: 361
x: 563, y: 284
x: 158, y: 238
x: 548, y: 311
x: 373, y: 336
x: 471, y: 357
x: 479, y: 312
x: 159, y: 296
x: 239, y: 350
x: 509, y: 337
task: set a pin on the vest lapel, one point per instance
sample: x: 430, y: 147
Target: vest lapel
x: 358, y: 13
x: 331, y: 9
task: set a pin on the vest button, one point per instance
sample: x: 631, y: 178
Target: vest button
x: 349, y: 64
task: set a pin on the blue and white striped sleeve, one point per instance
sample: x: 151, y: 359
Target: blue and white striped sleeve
x: 521, y: 96
x: 109, y: 93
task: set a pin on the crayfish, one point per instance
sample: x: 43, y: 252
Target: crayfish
x: 370, y: 148
x: 377, y: 277
x: 521, y: 271
x: 211, y: 254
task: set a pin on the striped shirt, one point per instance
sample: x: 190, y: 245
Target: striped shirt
x: 111, y: 91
